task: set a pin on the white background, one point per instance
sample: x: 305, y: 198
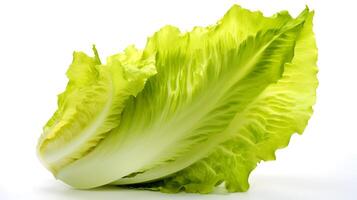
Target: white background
x: 36, y: 43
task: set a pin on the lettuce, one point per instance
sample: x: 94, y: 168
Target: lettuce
x: 190, y: 111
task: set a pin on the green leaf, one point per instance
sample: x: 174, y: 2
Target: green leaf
x: 91, y: 105
x: 224, y: 98
x: 263, y: 126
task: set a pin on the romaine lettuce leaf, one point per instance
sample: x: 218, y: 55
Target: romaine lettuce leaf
x: 92, y: 103
x: 189, y: 112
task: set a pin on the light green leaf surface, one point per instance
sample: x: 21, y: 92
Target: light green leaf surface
x: 222, y: 99
x: 263, y: 126
x: 92, y: 104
